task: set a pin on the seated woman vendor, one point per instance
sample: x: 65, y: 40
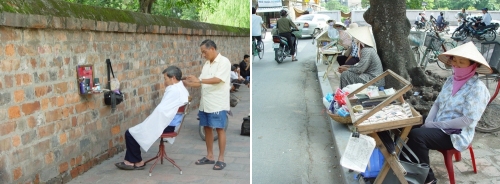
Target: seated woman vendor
x: 459, y: 106
x: 369, y: 65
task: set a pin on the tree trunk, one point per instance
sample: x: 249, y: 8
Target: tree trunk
x: 391, y: 29
x: 145, y: 5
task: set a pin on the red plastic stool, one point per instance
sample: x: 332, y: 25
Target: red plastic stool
x: 448, y: 154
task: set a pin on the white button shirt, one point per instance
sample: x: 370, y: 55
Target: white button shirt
x: 215, y: 97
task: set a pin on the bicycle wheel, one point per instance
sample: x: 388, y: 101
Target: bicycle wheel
x: 490, y: 36
x: 261, y: 50
x: 489, y: 121
x: 425, y: 59
x: 448, y: 46
x: 459, y: 34
x: 491, y: 83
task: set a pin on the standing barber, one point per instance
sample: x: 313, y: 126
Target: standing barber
x: 215, y: 84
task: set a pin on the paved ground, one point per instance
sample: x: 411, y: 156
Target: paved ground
x: 188, y: 147
x: 291, y: 141
x: 486, y: 147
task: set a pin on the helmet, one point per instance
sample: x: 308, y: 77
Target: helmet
x: 283, y: 12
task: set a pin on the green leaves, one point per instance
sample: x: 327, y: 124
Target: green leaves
x: 335, y: 5
x: 234, y: 13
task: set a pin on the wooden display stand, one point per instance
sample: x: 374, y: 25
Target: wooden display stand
x: 331, y: 55
x: 372, y: 128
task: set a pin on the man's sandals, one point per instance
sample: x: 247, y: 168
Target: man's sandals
x: 123, y: 166
x: 218, y: 165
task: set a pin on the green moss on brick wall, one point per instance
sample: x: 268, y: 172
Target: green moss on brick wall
x: 65, y: 9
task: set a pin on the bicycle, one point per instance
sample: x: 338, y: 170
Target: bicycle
x: 489, y: 121
x: 257, y: 48
x: 434, y: 47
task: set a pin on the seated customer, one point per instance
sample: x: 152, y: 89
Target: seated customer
x: 159, y: 121
x: 345, y: 40
x: 369, y: 65
x: 237, y: 79
x: 349, y: 57
x: 459, y: 106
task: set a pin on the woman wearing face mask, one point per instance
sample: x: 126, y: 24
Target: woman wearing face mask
x: 369, y: 65
x: 457, y: 109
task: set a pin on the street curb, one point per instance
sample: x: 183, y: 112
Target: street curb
x: 340, y: 132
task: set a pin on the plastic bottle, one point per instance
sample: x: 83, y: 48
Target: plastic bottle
x: 82, y: 87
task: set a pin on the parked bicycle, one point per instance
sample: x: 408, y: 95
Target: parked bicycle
x: 490, y: 122
x: 433, y: 47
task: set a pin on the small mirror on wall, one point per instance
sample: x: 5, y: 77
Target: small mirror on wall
x: 85, y: 76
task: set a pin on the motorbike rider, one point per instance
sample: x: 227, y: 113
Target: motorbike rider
x: 440, y: 22
x: 420, y: 20
x: 284, y: 26
x: 461, y: 16
x: 485, y: 21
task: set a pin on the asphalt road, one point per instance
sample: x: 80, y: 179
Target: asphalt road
x: 292, y: 140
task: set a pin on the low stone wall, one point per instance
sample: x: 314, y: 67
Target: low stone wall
x: 49, y: 133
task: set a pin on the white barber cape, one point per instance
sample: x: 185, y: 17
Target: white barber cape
x: 147, y: 132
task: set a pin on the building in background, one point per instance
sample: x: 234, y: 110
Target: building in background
x: 269, y: 10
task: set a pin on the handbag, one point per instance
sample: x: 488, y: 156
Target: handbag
x: 416, y: 173
x: 114, y: 96
x: 233, y: 100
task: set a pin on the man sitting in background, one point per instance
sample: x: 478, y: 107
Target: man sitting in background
x: 237, y: 79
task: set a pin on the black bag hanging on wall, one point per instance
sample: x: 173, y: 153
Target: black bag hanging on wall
x: 110, y: 97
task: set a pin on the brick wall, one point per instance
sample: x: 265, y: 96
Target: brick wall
x: 50, y: 133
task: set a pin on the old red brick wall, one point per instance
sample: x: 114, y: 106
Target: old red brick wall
x: 50, y: 133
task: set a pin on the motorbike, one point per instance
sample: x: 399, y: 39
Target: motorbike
x: 445, y: 28
x: 467, y: 29
x: 421, y: 24
x: 282, y: 48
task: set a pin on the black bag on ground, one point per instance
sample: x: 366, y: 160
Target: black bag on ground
x: 416, y: 172
x: 245, y: 126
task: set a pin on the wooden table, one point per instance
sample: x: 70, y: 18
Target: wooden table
x: 331, y: 58
x: 371, y: 129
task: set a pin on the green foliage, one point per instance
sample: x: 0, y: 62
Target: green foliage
x: 234, y: 13
x: 453, y: 4
x: 365, y: 3
x: 335, y: 5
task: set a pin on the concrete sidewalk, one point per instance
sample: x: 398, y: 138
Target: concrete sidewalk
x: 187, y: 148
x: 486, y: 147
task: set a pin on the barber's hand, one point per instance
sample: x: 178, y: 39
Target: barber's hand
x: 192, y: 78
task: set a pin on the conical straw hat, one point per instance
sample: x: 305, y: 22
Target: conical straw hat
x: 339, y: 24
x: 470, y: 52
x: 363, y: 34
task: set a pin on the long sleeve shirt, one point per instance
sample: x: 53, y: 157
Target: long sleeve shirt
x: 460, y: 111
x: 369, y: 65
